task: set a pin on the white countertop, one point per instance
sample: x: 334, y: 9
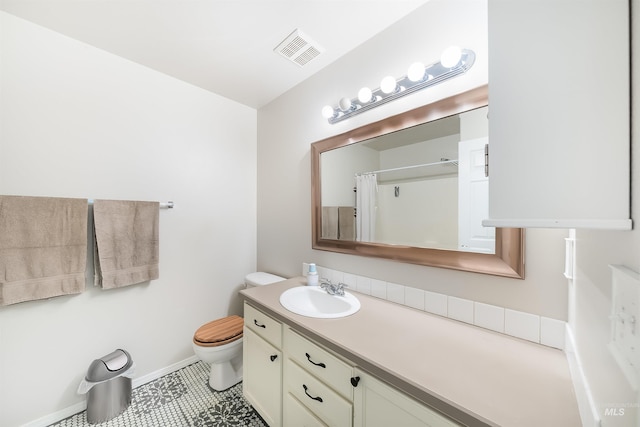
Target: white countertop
x: 476, y: 376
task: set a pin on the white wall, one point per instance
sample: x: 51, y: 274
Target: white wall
x: 474, y: 124
x: 592, y: 288
x: 288, y: 126
x: 338, y: 169
x: 425, y: 213
x: 79, y: 122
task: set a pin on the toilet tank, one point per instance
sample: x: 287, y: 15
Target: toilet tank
x: 260, y: 278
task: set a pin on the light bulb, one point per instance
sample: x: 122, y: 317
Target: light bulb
x: 327, y: 111
x: 416, y: 72
x: 365, y: 95
x: 388, y: 85
x: 345, y: 104
x: 451, y: 56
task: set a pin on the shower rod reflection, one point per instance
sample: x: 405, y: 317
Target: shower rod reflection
x: 443, y: 162
x: 163, y: 205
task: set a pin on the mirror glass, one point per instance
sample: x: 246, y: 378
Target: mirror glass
x: 423, y: 186
x: 412, y: 188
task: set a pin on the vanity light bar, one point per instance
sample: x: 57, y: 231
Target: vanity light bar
x: 453, y: 62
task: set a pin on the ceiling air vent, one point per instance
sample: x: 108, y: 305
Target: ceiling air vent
x: 299, y: 48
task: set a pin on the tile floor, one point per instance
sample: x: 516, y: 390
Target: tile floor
x: 181, y: 398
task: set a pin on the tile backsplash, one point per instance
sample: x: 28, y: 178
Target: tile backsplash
x: 527, y: 326
x: 489, y: 316
x: 460, y: 309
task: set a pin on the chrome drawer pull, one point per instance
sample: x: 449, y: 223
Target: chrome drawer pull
x: 255, y: 322
x: 322, y: 365
x: 319, y: 399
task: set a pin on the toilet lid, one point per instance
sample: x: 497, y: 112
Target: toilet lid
x: 219, y: 332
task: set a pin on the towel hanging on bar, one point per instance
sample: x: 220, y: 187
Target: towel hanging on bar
x: 43, y: 247
x: 127, y: 242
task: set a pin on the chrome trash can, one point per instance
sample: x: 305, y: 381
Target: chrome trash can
x: 108, y: 382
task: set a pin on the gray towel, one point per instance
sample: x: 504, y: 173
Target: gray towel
x: 127, y: 244
x: 43, y: 247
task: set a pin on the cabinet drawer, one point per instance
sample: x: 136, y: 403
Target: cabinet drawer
x: 263, y: 325
x: 318, y: 361
x: 297, y: 415
x: 325, y: 403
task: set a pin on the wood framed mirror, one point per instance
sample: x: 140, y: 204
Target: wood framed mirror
x: 507, y: 257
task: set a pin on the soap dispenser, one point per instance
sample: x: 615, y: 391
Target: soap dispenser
x: 312, y: 276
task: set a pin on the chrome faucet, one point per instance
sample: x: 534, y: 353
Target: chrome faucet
x: 333, y: 288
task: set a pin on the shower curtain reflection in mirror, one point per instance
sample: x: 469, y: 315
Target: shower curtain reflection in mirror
x: 366, y: 206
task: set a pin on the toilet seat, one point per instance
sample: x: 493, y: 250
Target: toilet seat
x: 219, y: 332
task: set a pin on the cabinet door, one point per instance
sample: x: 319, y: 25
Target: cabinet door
x: 379, y: 405
x: 262, y: 377
x: 559, y: 117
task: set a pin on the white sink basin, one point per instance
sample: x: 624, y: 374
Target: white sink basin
x: 313, y: 301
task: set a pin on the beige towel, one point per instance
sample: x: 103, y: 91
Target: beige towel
x: 346, y: 223
x: 329, y: 222
x: 127, y: 245
x: 43, y: 247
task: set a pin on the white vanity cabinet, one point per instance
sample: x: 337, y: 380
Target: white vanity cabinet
x: 377, y: 404
x: 262, y: 364
x: 559, y: 114
x: 292, y: 382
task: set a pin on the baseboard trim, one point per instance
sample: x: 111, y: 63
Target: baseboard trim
x: 58, y: 416
x: 137, y: 382
x: 586, y: 404
x: 81, y: 406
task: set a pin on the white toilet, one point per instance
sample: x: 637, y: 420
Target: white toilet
x: 219, y: 342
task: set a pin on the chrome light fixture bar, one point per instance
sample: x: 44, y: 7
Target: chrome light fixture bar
x: 453, y: 62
